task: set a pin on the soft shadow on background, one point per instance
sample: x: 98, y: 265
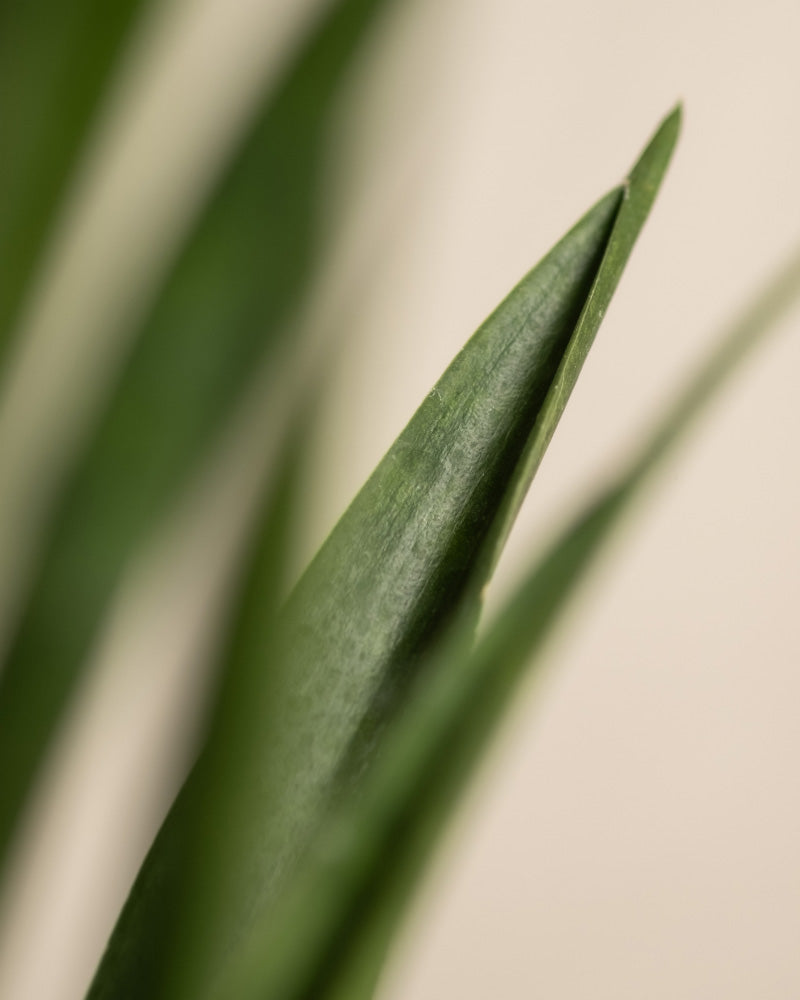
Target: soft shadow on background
x: 635, y: 831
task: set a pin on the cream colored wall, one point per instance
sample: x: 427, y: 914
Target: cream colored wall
x: 635, y: 832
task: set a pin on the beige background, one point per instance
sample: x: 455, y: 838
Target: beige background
x: 635, y: 832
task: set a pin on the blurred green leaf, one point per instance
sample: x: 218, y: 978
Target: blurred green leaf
x: 55, y: 61
x: 413, y: 550
x: 328, y: 936
x: 222, y: 309
x: 139, y: 954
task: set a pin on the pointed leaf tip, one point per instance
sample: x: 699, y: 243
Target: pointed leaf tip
x: 649, y: 169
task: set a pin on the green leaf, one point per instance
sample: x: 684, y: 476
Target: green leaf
x: 55, y: 61
x: 220, y: 314
x: 329, y: 934
x: 412, y: 551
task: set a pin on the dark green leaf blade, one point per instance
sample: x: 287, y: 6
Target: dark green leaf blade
x: 415, y: 546
x: 329, y: 935
x: 55, y: 60
x: 221, y: 311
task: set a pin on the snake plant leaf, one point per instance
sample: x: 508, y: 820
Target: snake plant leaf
x: 220, y: 312
x: 329, y: 934
x: 55, y: 60
x: 413, y: 549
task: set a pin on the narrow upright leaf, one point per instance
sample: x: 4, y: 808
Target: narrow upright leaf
x: 329, y: 934
x: 55, y: 60
x: 410, y: 553
x: 223, y: 306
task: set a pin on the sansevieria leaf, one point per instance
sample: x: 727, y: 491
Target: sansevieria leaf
x: 223, y: 307
x: 329, y: 933
x: 409, y: 556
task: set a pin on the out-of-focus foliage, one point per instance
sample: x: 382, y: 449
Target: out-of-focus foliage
x: 223, y: 308
x: 55, y: 61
